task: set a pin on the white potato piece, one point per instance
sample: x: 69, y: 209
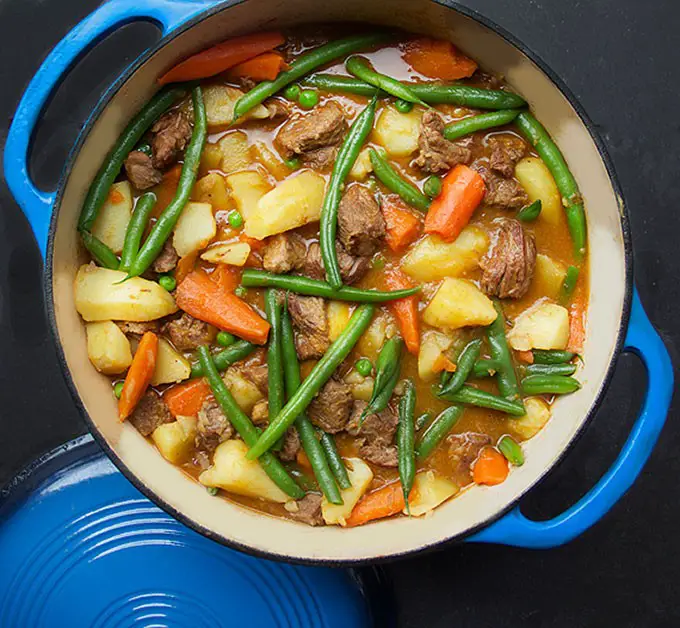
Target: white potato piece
x: 271, y: 161
x: 429, y: 490
x: 374, y: 337
x: 102, y: 295
x: 293, y: 203
x: 108, y: 348
x: 549, y: 276
x: 176, y: 440
x: 233, y: 253
x: 338, y: 314
x: 171, y: 366
x: 245, y: 393
x: 543, y: 326
x: 535, y: 177
x: 235, y: 152
x: 432, y: 346
x: 247, y: 188
x: 459, y: 303
x: 398, y: 132
x: 211, y: 157
x: 538, y: 413
x: 212, y: 188
x: 112, y: 220
x: 233, y: 472
x: 219, y: 105
x: 432, y: 258
x: 195, y: 228
x: 360, y: 475
x: 362, y: 166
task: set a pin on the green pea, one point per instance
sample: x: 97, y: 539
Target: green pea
x: 225, y: 339
x: 168, y: 282
x: 118, y: 389
x: 235, y: 219
x: 308, y: 99
x: 212, y: 490
x: 240, y: 291
x: 432, y: 186
x: 292, y: 92
x: 364, y: 367
x: 293, y: 163
x: 403, y: 106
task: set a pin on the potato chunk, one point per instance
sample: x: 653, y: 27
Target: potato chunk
x: 374, y: 337
x: 219, y: 105
x: 175, y: 440
x: 459, y: 303
x: 535, y: 177
x: 362, y: 166
x: 434, y: 343
x: 543, y: 326
x: 360, y: 475
x: 212, y: 189
x: 247, y: 188
x: 245, y: 393
x: 101, y: 295
x: 538, y: 413
x: 108, y: 348
x: 429, y: 490
x: 233, y: 253
x: 270, y: 161
x: 195, y: 228
x: 171, y: 366
x: 339, y: 314
x: 233, y: 472
x: 398, y: 132
x: 549, y: 276
x: 235, y: 152
x: 114, y: 216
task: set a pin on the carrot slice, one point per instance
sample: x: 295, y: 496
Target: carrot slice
x: 385, y: 502
x: 442, y: 363
x: 577, y: 327
x: 462, y: 192
x: 303, y: 460
x: 526, y: 356
x: 222, y: 57
x: 186, y: 399
x: 438, y: 59
x: 264, y: 67
x: 405, y: 311
x: 184, y: 266
x: 490, y: 468
x: 402, y: 227
x: 204, y: 299
x: 139, y: 375
x: 227, y: 276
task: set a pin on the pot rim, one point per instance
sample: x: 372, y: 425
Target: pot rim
x: 348, y: 562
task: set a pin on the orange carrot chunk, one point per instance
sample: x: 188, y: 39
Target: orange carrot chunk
x: 438, y: 59
x: 577, y: 327
x: 525, y: 356
x: 385, y: 502
x: 402, y: 227
x: 186, y: 399
x: 462, y: 192
x: 490, y: 468
x: 405, y: 311
x: 139, y: 375
x: 264, y: 67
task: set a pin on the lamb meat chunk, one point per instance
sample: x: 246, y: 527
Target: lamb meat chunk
x: 308, y: 315
x: 134, y: 328
x: 501, y: 192
x: 323, y: 126
x: 330, y: 409
x: 151, y: 411
x: 378, y: 432
x: 188, y: 333
x: 309, y: 510
x: 167, y: 260
x: 463, y: 451
x: 352, y: 269
x: 437, y: 154
x: 277, y: 108
x: 506, y: 151
x: 171, y: 134
x: 260, y: 413
x: 213, y: 427
x: 284, y: 252
x: 258, y: 374
x: 321, y: 158
x: 379, y: 453
x: 361, y: 226
x: 508, y: 266
x: 291, y: 445
x: 141, y: 171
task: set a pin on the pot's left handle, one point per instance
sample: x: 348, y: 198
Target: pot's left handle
x: 37, y: 204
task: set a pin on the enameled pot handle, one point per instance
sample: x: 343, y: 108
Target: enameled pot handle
x: 516, y: 530
x: 37, y: 204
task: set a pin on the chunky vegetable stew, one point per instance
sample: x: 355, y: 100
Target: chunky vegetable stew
x: 335, y: 277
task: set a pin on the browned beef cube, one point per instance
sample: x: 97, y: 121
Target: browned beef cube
x: 361, y: 226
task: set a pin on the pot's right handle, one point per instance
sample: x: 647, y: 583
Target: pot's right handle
x: 36, y: 203
x: 516, y: 530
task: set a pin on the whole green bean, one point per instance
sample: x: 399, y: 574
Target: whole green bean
x: 253, y: 278
x: 359, y: 67
x: 432, y: 93
x: 469, y: 125
x: 311, y: 445
x: 344, y: 161
x: 422, y: 420
x: 549, y: 385
x: 444, y: 378
x: 531, y: 211
x: 476, y: 397
x: 511, y: 450
x: 464, y: 366
x: 485, y: 368
x: 392, y: 181
x: 406, y: 440
x: 387, y: 368
x: 500, y: 353
x: 569, y: 284
x: 550, y: 369
x: 552, y: 356
x: 319, y: 375
x: 223, y: 359
x: 307, y: 484
x: 305, y: 64
x: 572, y: 200
x: 168, y: 219
x: 135, y: 229
x: 437, y: 431
x: 247, y: 431
x: 273, y: 311
x: 101, y: 253
x: 99, y: 189
x: 334, y: 460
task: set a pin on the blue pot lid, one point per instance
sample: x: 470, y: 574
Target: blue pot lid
x: 81, y: 547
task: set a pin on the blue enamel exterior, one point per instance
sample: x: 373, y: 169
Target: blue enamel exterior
x: 512, y: 529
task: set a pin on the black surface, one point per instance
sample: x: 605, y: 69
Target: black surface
x: 620, y: 58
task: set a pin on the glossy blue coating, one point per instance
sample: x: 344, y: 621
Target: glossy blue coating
x: 515, y: 529
x: 37, y: 204
x: 82, y: 548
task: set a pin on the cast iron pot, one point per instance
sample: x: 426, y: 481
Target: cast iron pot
x: 616, y: 320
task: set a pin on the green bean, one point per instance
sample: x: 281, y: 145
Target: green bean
x: 466, y: 126
x: 246, y: 430
x: 307, y: 484
x: 403, y: 106
x: 168, y: 219
x: 464, y: 366
x: 444, y: 378
x: 498, y: 345
x: 360, y: 67
x: 334, y: 459
x: 511, y: 450
x: 310, y: 443
x: 223, y: 359
x: 476, y: 397
x: 387, y: 368
x: 437, y: 431
x: 305, y: 64
x: 422, y: 420
x: 406, y: 440
x: 99, y: 189
x: 550, y: 369
x: 531, y: 211
x: 135, y: 229
x: 253, y: 278
x: 549, y: 385
x: 319, y: 375
x: 572, y: 200
x: 344, y: 161
x: 485, y: 368
x: 101, y: 253
x: 432, y: 93
x: 273, y: 310
x: 552, y: 356
x: 392, y: 181
x: 569, y: 284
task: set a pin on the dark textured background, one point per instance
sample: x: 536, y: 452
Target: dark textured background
x: 620, y: 58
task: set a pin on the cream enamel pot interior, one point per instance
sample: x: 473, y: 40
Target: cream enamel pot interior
x: 191, y: 26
